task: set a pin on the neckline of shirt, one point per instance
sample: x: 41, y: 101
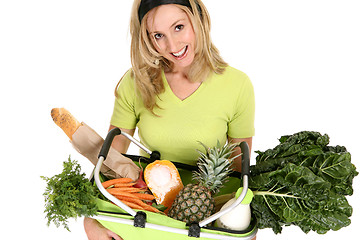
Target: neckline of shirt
x: 169, y: 91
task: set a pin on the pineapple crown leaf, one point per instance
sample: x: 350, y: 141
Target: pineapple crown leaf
x: 214, y: 165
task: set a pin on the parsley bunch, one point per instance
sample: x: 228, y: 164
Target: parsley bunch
x: 69, y: 195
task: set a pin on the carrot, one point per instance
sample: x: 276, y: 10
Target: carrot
x: 140, y: 196
x: 144, y: 196
x: 118, y: 192
x: 108, y: 183
x: 150, y: 208
x: 140, y: 203
x: 132, y: 205
x: 127, y: 198
x: 120, y: 185
x: 134, y: 202
x: 128, y: 189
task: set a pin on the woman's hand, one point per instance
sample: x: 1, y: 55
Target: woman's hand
x: 95, y: 231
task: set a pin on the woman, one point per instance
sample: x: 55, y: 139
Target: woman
x: 179, y: 91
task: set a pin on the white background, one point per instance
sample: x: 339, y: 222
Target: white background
x: 303, y: 58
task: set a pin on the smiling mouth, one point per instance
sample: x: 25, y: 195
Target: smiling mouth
x: 181, y: 54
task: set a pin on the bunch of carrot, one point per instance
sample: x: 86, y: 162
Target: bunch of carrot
x: 134, y: 197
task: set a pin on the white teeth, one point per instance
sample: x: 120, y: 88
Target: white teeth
x: 178, y: 54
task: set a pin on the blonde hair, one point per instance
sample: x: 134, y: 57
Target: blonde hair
x: 145, y: 70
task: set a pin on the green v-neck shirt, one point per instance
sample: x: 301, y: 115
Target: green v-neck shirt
x: 223, y: 105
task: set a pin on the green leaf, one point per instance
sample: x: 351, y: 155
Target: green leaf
x: 303, y: 182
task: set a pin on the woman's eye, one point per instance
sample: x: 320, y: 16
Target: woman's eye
x: 158, y: 36
x: 179, y: 27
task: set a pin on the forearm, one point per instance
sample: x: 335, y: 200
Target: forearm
x: 90, y: 226
x: 237, y: 162
x: 95, y: 231
x: 121, y: 143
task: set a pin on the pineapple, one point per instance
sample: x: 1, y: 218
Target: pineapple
x: 195, y: 202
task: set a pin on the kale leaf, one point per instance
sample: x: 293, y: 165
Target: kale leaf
x: 303, y: 182
x: 69, y: 195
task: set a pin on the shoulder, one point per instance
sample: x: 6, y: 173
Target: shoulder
x: 126, y: 82
x: 128, y: 77
x: 233, y: 78
x: 235, y: 75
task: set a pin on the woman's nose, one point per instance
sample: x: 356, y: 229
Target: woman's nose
x: 171, y: 42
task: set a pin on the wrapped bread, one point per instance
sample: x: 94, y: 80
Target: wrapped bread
x: 163, y: 179
x: 88, y: 143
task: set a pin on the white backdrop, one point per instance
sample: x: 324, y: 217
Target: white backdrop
x: 303, y: 58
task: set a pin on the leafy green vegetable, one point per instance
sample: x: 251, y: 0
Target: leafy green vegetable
x: 69, y: 195
x: 303, y: 181
x: 159, y: 207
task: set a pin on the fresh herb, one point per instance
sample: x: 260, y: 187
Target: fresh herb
x: 69, y: 195
x: 303, y: 182
x: 159, y: 207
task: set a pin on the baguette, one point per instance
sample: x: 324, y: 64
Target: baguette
x: 65, y: 120
x: 88, y: 143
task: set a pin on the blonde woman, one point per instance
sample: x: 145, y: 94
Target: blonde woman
x: 179, y: 91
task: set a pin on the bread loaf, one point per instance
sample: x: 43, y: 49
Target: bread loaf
x: 164, y: 181
x: 65, y: 120
x: 88, y: 143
